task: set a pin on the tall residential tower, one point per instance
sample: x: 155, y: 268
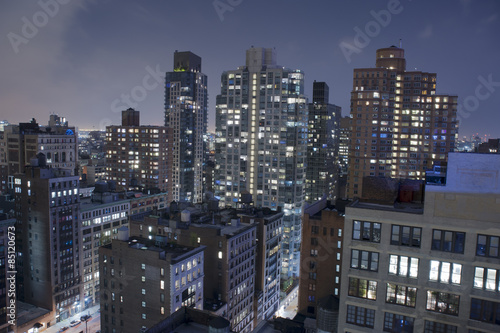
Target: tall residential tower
x: 261, y: 142
x: 400, y: 126
x: 323, y: 146
x: 186, y: 114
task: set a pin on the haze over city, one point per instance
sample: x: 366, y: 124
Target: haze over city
x: 81, y: 59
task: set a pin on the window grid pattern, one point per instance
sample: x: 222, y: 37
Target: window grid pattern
x: 364, y: 260
x: 442, y: 302
x: 435, y: 327
x: 401, y: 295
x: 360, y: 316
x: 398, y: 323
x: 405, y: 235
x: 485, y: 311
x: 487, y: 246
x: 487, y: 279
x: 363, y: 288
x: 448, y: 241
x: 366, y: 231
x: 445, y: 272
x: 403, y: 266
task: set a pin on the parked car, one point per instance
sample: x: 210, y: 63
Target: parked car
x: 85, y: 317
x: 75, y: 323
x: 63, y: 329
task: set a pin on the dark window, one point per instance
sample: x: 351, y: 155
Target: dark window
x: 433, y: 327
x: 442, y: 302
x: 487, y: 246
x: 314, y: 229
x: 366, y: 231
x: 364, y: 260
x: 398, y: 323
x: 406, y: 236
x: 485, y: 311
x: 363, y: 288
x: 360, y: 316
x: 314, y: 241
x: 448, y: 241
x: 401, y: 295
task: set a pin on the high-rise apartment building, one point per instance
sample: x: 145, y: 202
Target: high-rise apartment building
x: 344, y: 136
x: 400, y: 126
x: 261, y: 144
x: 186, y: 101
x: 321, y: 260
x: 136, y: 156
x: 47, y: 229
x: 322, y: 146
x: 426, y: 265
x: 143, y: 283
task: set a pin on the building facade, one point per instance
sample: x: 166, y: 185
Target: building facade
x: 267, y: 262
x: 321, y: 257
x: 19, y: 143
x: 427, y: 268
x: 400, y: 126
x: 322, y: 146
x: 261, y: 143
x: 47, y: 229
x: 186, y: 102
x: 136, y: 156
x: 142, y: 283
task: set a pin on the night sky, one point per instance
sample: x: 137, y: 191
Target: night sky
x: 84, y: 55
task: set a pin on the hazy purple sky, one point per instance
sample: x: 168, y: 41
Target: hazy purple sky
x: 84, y: 55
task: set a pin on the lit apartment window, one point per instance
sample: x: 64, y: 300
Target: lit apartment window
x: 402, y: 295
x: 445, y: 272
x: 220, y: 255
x: 486, y: 278
x: 162, y: 284
x: 442, y: 302
x: 363, y: 288
x: 143, y: 304
x: 403, y: 266
x: 144, y: 291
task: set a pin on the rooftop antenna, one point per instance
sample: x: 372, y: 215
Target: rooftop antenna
x: 400, y: 43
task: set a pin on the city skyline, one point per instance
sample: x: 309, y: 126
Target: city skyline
x: 78, y: 59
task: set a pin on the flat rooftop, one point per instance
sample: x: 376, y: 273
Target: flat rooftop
x: 471, y: 173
